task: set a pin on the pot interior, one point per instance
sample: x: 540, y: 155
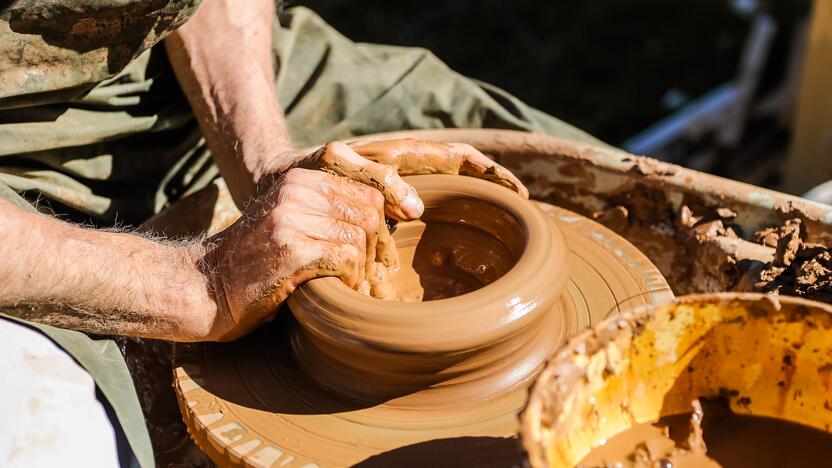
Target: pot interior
x: 460, y: 245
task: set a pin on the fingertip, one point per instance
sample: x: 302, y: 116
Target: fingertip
x: 336, y: 146
x: 413, y: 206
x: 354, y: 263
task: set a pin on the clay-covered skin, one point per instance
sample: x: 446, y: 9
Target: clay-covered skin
x: 327, y: 221
x: 410, y: 156
x: 379, y: 165
x: 310, y: 225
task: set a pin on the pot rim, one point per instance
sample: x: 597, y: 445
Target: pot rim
x: 456, y: 323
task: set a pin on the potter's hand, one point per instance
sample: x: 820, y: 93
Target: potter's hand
x: 411, y: 156
x: 310, y: 224
x: 401, y: 200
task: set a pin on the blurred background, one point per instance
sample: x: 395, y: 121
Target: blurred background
x: 709, y: 84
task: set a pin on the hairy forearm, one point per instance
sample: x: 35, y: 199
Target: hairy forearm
x: 101, y: 282
x: 223, y: 60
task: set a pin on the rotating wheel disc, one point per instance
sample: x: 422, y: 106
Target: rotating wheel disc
x: 248, y: 403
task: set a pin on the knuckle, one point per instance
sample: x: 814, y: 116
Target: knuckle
x: 375, y: 197
x: 341, y: 256
x: 359, y: 236
x: 468, y: 148
x: 388, y: 172
x: 341, y: 209
x: 372, y: 219
x: 281, y: 216
x: 329, y: 153
x: 350, y: 234
x: 294, y: 174
x: 350, y: 253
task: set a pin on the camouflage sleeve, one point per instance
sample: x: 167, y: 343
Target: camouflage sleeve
x: 48, y: 45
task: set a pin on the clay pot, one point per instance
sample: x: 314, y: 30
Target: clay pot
x: 431, y: 383
x: 503, y: 261
x: 770, y: 357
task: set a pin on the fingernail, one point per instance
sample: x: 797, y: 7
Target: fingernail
x: 413, y: 205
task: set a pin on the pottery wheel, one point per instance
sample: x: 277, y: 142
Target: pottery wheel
x: 248, y: 403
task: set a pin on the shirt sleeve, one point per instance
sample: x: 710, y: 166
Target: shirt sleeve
x: 49, y: 45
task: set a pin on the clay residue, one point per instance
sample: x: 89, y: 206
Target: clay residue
x: 697, y: 247
x: 700, y: 247
x: 649, y: 166
x: 799, y: 268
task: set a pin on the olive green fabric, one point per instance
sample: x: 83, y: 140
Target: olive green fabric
x: 60, y: 47
x: 103, y: 156
x: 332, y: 88
x: 123, y: 149
x: 126, y: 148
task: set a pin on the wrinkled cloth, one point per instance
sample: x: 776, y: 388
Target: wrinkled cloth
x: 58, y: 49
x: 128, y: 147
x: 124, y: 148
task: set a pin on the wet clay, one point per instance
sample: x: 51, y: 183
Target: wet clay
x: 712, y: 437
x: 472, y: 234
x: 356, y: 380
x: 799, y: 267
x: 456, y: 248
x: 613, y: 186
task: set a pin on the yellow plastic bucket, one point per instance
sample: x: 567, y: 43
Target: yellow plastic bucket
x: 768, y: 356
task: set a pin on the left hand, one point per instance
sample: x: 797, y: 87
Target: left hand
x: 410, y: 156
x: 375, y: 163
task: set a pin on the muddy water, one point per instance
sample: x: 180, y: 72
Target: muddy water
x: 724, y: 438
x: 457, y: 247
x: 448, y: 260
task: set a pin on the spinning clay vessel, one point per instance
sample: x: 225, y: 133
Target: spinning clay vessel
x: 342, y: 379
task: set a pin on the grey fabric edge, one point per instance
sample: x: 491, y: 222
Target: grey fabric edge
x: 116, y: 384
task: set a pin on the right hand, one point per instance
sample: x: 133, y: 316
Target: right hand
x: 308, y: 225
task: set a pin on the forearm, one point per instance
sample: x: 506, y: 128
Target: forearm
x: 223, y: 60
x: 100, y: 282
